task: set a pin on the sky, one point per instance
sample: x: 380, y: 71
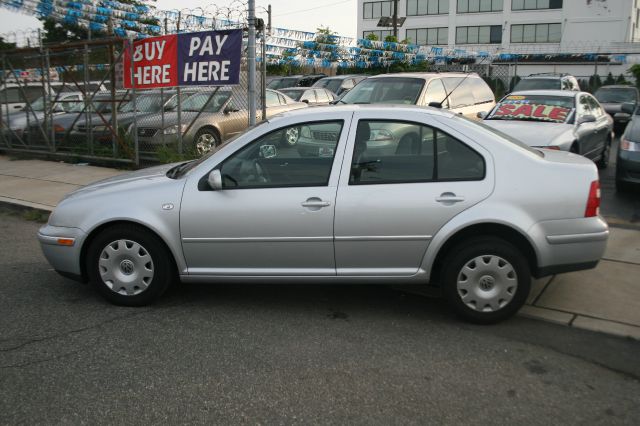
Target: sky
x: 339, y: 15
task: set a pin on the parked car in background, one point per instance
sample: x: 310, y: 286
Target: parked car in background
x: 14, y: 96
x: 612, y: 97
x: 277, y: 83
x: 339, y: 84
x: 208, y: 119
x: 465, y: 94
x: 310, y: 95
x: 628, y: 157
x: 547, y: 81
x: 556, y: 119
x: 456, y: 212
x: 16, y: 124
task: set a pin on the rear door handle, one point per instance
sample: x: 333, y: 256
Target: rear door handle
x: 449, y: 197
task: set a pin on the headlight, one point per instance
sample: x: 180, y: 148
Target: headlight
x: 627, y: 145
x: 173, y: 130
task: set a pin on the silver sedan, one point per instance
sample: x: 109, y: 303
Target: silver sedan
x: 556, y: 119
x: 459, y: 205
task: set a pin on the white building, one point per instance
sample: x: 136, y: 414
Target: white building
x: 525, y: 26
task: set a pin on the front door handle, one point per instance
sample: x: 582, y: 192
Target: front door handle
x: 315, y: 203
x: 449, y: 197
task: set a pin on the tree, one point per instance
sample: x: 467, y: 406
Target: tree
x: 372, y: 37
x: 5, y: 45
x: 609, y: 80
x: 621, y: 80
x: 635, y: 72
x: 391, y: 39
x: 325, y: 36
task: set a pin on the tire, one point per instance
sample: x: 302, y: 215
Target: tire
x: 290, y: 136
x: 486, y: 280
x: 603, y: 162
x: 129, y: 265
x: 205, y: 140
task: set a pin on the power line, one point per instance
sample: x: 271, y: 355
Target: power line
x: 312, y: 8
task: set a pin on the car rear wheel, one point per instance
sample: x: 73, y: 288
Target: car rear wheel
x: 129, y: 265
x: 486, y: 280
x: 205, y: 140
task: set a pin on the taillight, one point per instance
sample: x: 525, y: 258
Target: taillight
x: 593, y: 202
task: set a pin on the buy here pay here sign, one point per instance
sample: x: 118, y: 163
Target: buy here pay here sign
x: 208, y: 58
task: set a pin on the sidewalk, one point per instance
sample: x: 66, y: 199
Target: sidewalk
x: 605, y: 299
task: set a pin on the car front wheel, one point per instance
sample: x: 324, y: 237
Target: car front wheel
x: 486, y: 280
x: 206, y: 140
x: 129, y: 265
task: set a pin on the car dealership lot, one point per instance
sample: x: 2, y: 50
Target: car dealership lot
x: 288, y: 354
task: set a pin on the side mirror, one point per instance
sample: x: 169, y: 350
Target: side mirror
x: 229, y: 109
x: 481, y: 114
x: 628, y: 107
x: 306, y: 101
x: 586, y: 119
x: 215, y: 180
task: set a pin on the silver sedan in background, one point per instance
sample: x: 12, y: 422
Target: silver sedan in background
x: 464, y: 207
x: 556, y: 119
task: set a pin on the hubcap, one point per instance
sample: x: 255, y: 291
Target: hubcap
x: 126, y: 267
x: 292, y: 135
x: 487, y: 283
x: 205, y: 142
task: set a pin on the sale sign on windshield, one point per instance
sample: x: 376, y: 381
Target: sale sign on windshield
x: 209, y: 58
x: 520, y: 108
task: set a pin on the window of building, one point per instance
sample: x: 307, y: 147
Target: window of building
x: 535, y: 4
x: 381, y: 34
x: 427, y: 7
x: 426, y: 36
x: 487, y: 34
x: 536, y: 33
x: 377, y: 9
x: 475, y: 6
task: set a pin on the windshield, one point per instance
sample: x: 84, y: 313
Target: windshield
x: 550, y: 109
x: 537, y: 84
x: 274, y: 84
x: 618, y: 95
x: 145, y: 103
x: 200, y: 101
x: 293, y: 94
x: 390, y: 90
x: 332, y: 84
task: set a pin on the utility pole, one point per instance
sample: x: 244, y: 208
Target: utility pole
x: 269, y: 20
x: 395, y: 19
x: 251, y: 62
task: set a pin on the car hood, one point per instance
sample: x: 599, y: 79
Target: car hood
x: 170, y: 119
x: 532, y: 133
x: 123, y: 180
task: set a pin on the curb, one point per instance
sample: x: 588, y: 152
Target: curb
x: 19, y: 206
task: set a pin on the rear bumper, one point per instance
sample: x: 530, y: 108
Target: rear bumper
x: 569, y: 244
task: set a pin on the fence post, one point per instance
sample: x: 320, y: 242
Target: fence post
x: 88, y: 122
x: 179, y: 106
x: 135, y: 107
x: 52, y: 130
x: 263, y: 82
x: 45, y: 91
x: 6, y: 138
x: 251, y: 62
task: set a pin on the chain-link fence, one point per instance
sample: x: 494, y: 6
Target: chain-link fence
x: 67, y: 100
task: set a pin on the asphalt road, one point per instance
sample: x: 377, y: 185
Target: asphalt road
x: 621, y: 208
x: 288, y: 354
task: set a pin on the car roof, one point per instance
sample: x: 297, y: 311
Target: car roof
x: 298, y: 88
x: 564, y: 93
x: 425, y: 75
x: 383, y: 108
x: 618, y: 86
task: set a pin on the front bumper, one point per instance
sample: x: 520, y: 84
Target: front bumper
x: 569, y: 244
x: 62, y: 248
